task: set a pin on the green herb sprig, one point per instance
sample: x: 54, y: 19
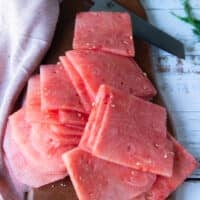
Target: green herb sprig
x: 190, y: 18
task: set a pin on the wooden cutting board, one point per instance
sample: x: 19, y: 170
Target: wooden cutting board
x: 63, y: 190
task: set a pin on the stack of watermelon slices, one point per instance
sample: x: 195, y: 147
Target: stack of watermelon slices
x: 50, y: 123
x: 89, y: 117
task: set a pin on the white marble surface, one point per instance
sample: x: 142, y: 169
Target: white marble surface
x: 179, y: 80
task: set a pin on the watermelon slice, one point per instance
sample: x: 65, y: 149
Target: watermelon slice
x: 21, y: 132
x: 57, y: 91
x: 33, y: 104
x: 96, y: 68
x: 62, y: 130
x: 22, y: 169
x: 94, y: 122
x: 130, y: 132
x: 94, y: 178
x: 184, y: 165
x: 33, y: 91
x: 71, y: 117
x: 34, y: 114
x: 47, y: 142
x: 107, y: 31
x: 78, y: 83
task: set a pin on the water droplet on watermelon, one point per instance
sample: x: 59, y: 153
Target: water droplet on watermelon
x: 138, y: 163
x: 124, y: 42
x: 145, y: 74
x: 149, y: 161
x: 157, y: 145
x: 79, y: 115
x: 113, y: 105
x: 128, y: 51
x: 165, y: 155
x: 133, y: 172
x: 144, y: 87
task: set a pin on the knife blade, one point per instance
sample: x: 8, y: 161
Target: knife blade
x: 143, y: 29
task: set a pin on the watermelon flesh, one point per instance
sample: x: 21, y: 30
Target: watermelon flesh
x: 127, y: 125
x: 47, y: 142
x: 78, y: 83
x: 21, y: 168
x: 57, y: 91
x: 71, y: 117
x: 33, y: 104
x: 62, y: 130
x: 94, y: 122
x: 34, y: 114
x: 106, y: 31
x: 184, y: 165
x: 96, y: 68
x: 21, y: 132
x: 94, y: 178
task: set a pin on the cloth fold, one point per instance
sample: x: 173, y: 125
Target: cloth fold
x: 27, y: 29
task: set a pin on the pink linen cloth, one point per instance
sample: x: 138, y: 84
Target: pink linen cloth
x: 27, y: 28
x: 26, y: 31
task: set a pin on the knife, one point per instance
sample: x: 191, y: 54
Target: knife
x: 144, y: 30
